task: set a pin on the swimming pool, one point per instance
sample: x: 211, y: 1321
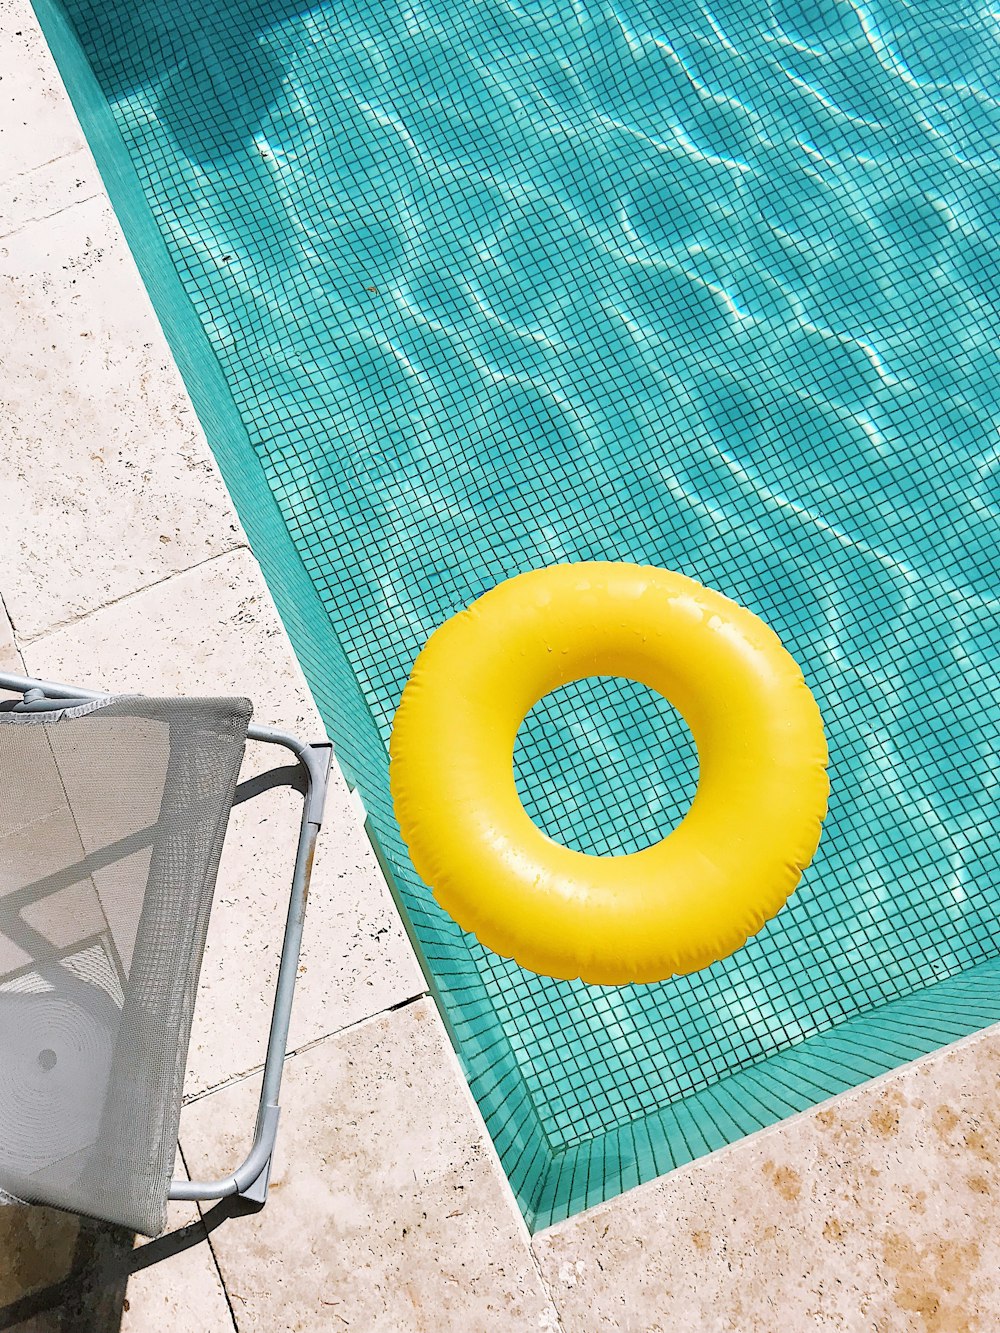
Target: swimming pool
x: 465, y: 289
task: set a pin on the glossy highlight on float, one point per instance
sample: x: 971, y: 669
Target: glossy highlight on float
x: 700, y: 892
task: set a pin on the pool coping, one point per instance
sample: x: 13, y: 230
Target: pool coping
x: 61, y: 152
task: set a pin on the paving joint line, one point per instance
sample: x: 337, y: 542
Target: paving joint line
x: 58, y: 626
x: 236, y: 1079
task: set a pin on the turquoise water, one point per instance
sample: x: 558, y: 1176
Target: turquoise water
x: 717, y: 287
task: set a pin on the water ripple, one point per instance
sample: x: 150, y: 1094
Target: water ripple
x: 714, y: 287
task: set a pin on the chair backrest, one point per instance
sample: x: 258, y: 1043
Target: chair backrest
x: 112, y: 819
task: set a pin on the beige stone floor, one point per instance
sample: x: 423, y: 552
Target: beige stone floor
x: 877, y: 1211
x: 122, y: 562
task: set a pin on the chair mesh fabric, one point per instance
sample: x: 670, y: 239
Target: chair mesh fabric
x: 112, y: 820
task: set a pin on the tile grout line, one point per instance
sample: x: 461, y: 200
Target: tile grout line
x: 361, y: 1022
x: 299, y: 1049
x: 211, y: 1247
x: 309, y: 1045
x: 47, y: 217
x: 560, y: 1327
x: 13, y: 632
x: 546, y: 1286
x: 59, y: 157
x: 60, y: 625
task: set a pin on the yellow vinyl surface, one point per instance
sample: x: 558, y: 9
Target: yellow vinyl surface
x: 674, y: 907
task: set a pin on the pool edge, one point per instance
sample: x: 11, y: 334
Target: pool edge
x: 292, y: 589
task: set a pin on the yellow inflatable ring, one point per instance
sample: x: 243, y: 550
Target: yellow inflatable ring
x: 693, y: 897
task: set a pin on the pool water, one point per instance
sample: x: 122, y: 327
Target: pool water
x: 714, y: 287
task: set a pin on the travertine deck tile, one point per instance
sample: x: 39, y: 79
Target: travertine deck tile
x: 875, y: 1214
x: 37, y: 123
x: 60, y: 1274
x: 388, y: 1210
x: 108, y: 483
x: 182, y: 1290
x: 37, y: 1246
x: 48, y: 189
x: 10, y: 658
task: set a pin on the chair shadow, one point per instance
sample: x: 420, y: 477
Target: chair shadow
x: 66, y: 1274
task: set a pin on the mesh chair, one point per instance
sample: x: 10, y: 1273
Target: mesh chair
x: 113, y: 812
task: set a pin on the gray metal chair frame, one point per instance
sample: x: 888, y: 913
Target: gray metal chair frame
x: 250, y: 1179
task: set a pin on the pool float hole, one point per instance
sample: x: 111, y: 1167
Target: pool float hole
x: 605, y: 766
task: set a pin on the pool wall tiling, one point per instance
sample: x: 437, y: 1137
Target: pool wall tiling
x: 206, y: 127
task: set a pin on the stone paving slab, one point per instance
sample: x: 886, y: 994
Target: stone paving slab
x: 48, y: 189
x: 108, y: 483
x: 182, y: 1290
x: 876, y: 1213
x: 389, y: 1212
x: 37, y: 1246
x: 63, y: 1274
x: 34, y: 124
x: 10, y: 658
